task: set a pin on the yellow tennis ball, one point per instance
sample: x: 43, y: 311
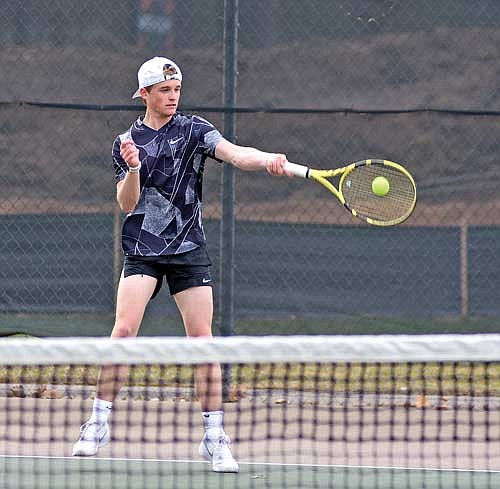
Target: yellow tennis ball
x: 380, y: 186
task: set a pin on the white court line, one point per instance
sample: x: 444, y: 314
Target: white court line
x: 271, y: 464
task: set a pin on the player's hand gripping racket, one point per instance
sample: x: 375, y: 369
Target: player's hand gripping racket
x: 380, y: 192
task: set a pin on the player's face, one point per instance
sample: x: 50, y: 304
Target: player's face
x: 163, y: 97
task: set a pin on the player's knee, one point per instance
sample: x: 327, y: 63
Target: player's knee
x: 201, y: 331
x: 124, y: 330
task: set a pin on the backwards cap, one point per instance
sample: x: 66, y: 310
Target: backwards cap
x: 156, y: 70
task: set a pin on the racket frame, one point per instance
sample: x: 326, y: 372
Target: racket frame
x: 322, y: 176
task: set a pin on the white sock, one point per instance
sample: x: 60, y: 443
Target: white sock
x: 100, y: 411
x: 214, y: 422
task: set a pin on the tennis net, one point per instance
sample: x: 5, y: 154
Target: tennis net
x: 389, y: 411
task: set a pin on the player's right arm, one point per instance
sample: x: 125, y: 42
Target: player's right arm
x: 250, y: 159
x: 128, y: 189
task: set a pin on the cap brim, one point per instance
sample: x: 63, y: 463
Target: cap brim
x: 137, y: 93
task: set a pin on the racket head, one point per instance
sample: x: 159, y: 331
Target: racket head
x: 355, y: 191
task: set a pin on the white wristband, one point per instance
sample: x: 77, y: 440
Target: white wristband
x: 135, y: 169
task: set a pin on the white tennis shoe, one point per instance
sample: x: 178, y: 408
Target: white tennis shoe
x: 92, y: 437
x: 217, y: 451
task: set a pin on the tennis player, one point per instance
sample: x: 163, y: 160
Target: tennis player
x: 159, y: 163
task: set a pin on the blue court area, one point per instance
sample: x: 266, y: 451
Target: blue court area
x: 109, y: 473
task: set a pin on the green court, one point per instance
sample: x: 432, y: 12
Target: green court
x: 58, y: 473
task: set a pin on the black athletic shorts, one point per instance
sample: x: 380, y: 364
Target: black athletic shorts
x: 181, y: 271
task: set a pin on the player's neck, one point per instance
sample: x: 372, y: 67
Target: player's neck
x: 154, y: 121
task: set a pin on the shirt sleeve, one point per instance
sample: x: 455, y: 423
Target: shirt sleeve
x: 209, y: 137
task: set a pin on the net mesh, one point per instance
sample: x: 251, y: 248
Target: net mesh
x: 303, y: 412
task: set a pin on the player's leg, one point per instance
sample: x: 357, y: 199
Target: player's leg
x: 134, y: 293
x: 196, y: 307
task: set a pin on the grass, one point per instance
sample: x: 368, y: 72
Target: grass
x: 101, y: 325
x: 446, y: 379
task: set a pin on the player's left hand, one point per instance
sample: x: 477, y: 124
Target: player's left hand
x: 276, y: 165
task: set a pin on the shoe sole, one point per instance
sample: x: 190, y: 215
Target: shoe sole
x: 232, y: 470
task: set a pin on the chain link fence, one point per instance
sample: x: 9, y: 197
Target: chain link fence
x: 326, y: 83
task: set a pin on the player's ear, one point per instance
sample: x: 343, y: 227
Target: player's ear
x: 143, y: 92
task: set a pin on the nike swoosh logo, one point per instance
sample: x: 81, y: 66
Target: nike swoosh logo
x: 173, y: 141
x: 206, y: 280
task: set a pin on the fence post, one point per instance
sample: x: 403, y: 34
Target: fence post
x: 226, y: 298
x: 464, y: 267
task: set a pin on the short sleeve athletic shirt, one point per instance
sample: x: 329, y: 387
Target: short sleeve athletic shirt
x: 167, y: 217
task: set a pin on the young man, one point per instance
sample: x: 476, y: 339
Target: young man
x: 159, y: 165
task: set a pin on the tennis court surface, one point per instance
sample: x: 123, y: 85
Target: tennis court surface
x: 305, y: 412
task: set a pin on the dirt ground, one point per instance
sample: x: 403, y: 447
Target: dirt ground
x: 264, y: 431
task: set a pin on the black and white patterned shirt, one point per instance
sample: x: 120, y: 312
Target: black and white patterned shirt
x: 167, y: 217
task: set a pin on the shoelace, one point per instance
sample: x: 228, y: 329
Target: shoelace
x: 223, y: 440
x: 221, y: 449
x: 85, y: 427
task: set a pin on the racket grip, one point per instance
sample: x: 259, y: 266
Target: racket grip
x: 298, y: 170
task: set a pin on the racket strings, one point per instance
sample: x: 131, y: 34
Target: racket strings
x: 356, y: 187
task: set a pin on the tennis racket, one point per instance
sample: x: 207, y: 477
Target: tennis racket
x: 359, y: 189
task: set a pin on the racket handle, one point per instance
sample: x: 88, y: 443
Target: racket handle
x: 298, y: 170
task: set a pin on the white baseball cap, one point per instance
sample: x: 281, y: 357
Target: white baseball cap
x: 156, y: 70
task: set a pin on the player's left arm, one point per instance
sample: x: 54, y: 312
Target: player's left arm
x: 251, y: 159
